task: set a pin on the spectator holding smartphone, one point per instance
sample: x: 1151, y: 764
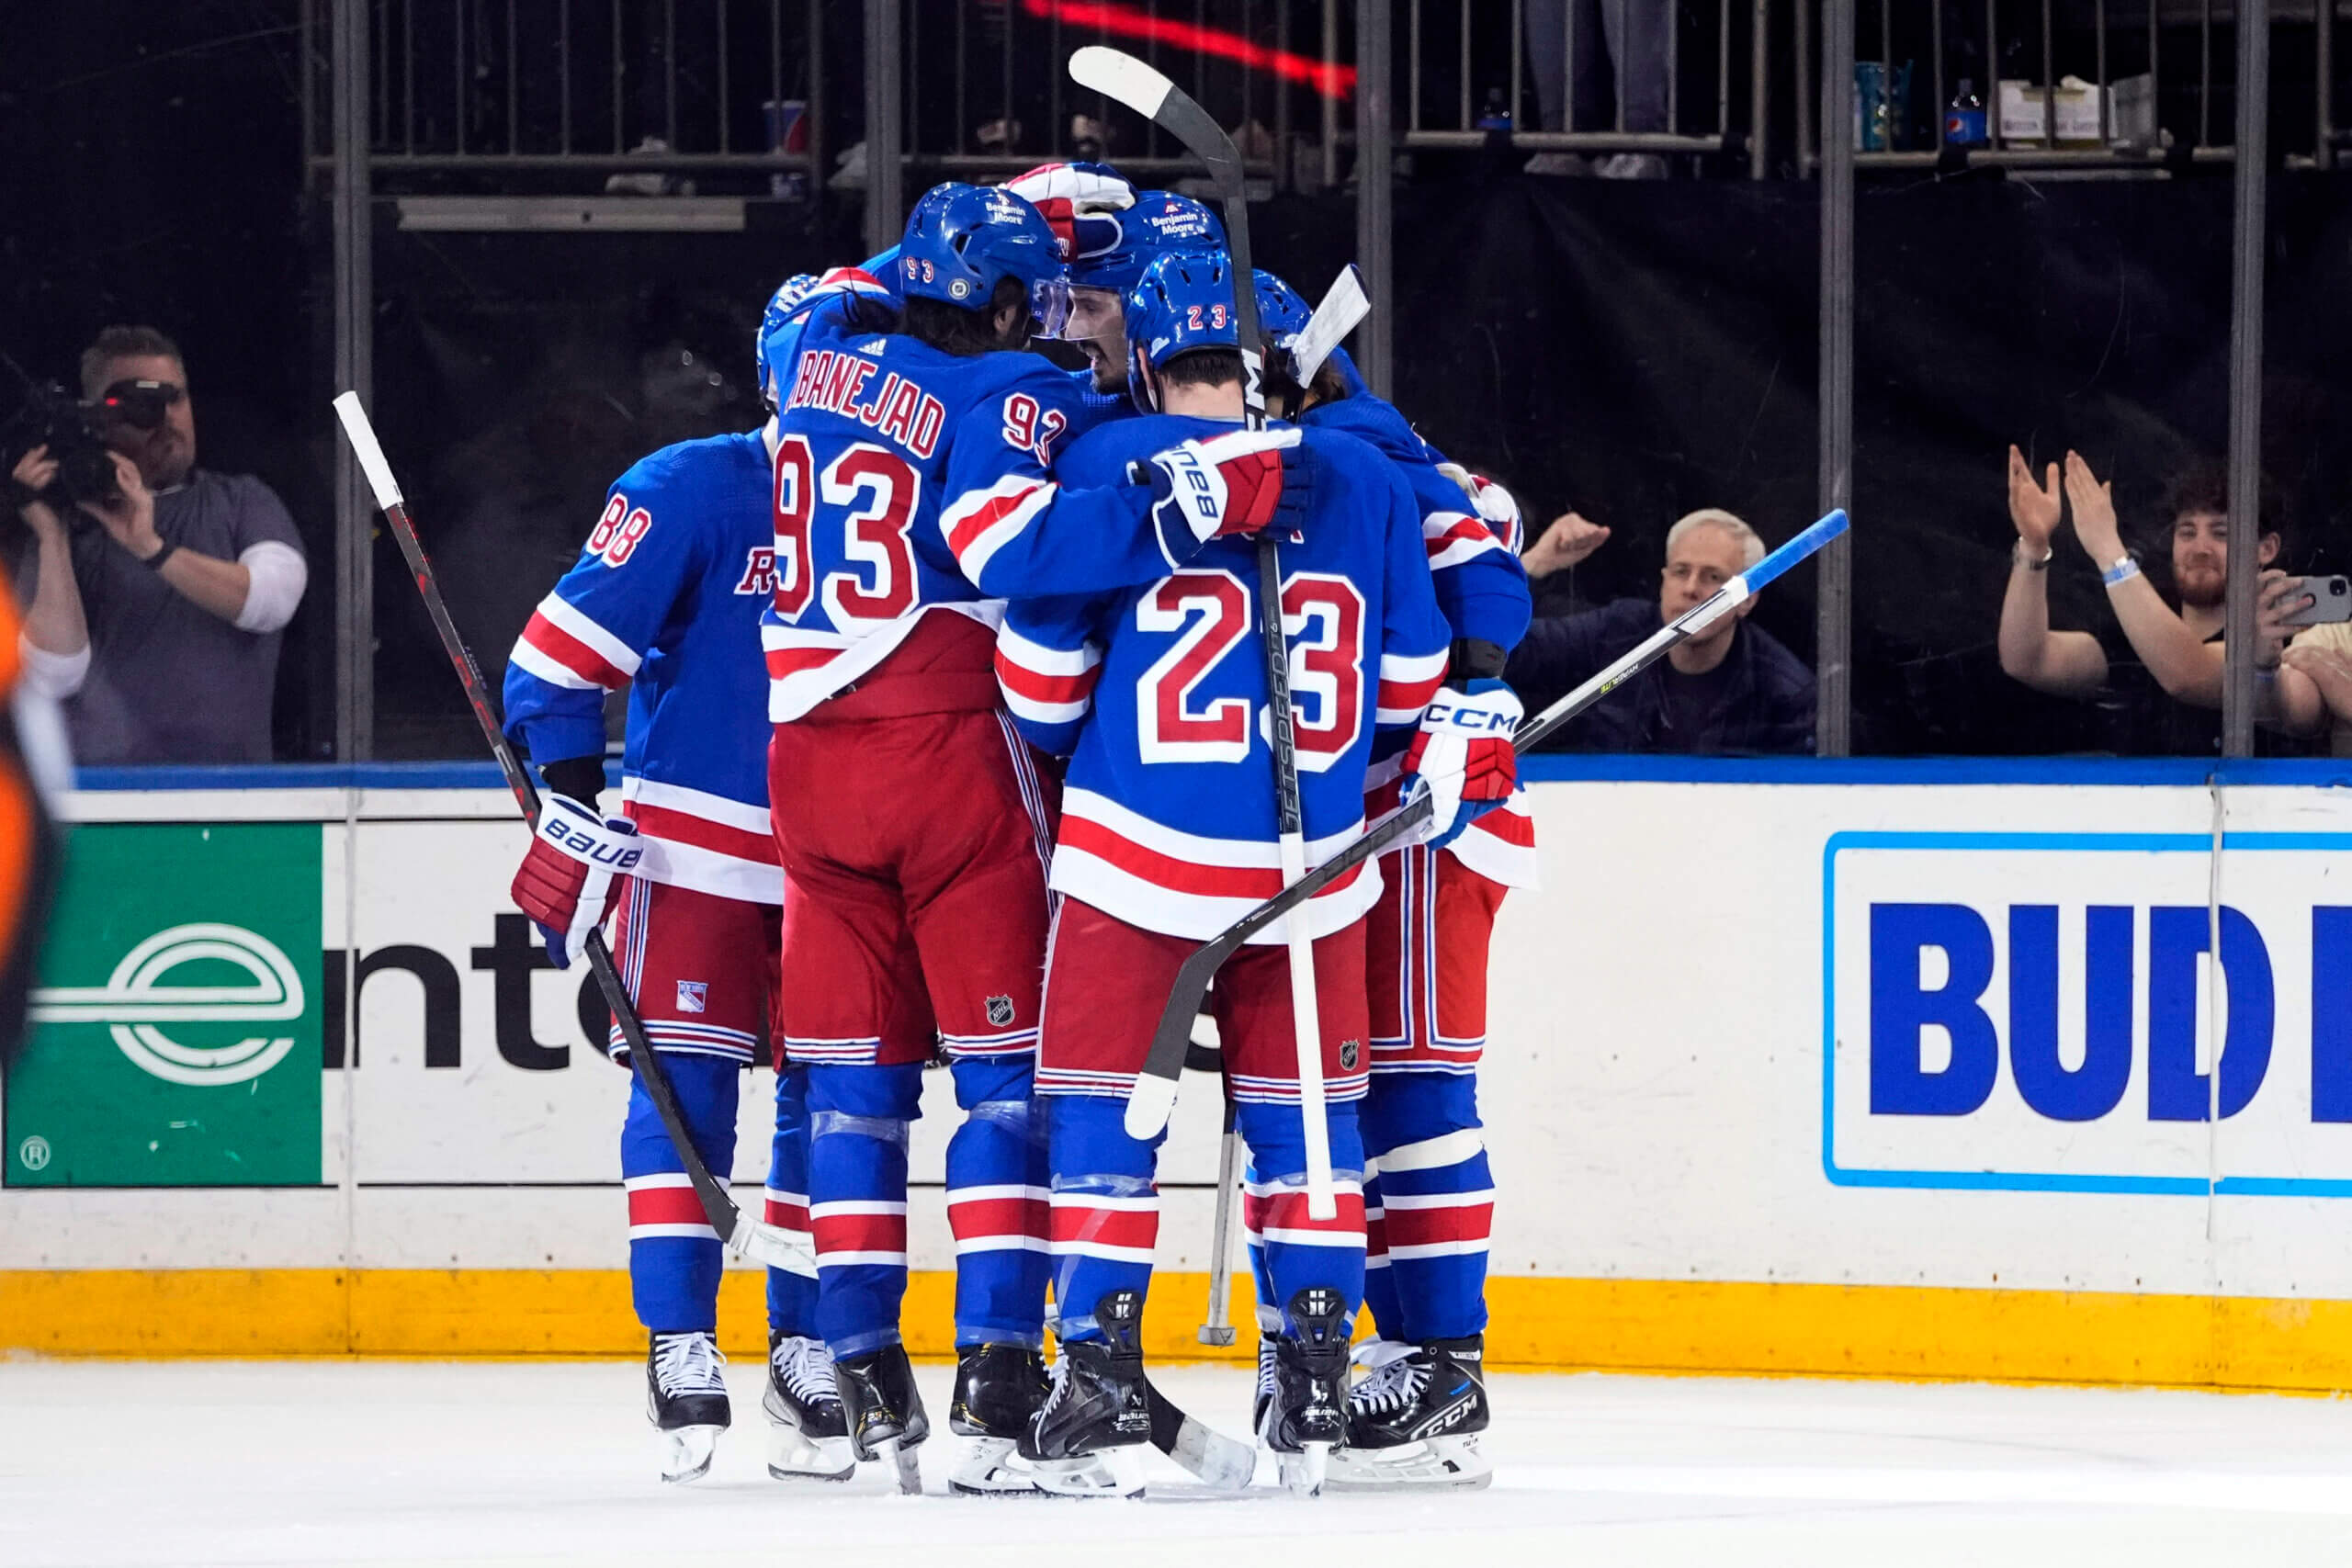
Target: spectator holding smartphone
x: 2180, y: 650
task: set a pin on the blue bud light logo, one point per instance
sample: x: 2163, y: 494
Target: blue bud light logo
x: 2081, y: 1012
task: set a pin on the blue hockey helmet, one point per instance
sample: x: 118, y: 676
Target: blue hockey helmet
x: 1159, y: 222
x: 1183, y: 301
x: 788, y: 298
x: 1283, y: 314
x: 963, y: 240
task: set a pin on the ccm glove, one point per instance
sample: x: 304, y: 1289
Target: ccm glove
x: 565, y: 882
x: 1241, y: 483
x: 1462, y: 756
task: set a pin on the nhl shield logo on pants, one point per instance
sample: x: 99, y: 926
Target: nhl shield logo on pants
x: 1000, y: 1011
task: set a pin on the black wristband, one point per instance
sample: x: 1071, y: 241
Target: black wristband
x: 580, y: 778
x: 1474, y: 658
x: 155, y: 562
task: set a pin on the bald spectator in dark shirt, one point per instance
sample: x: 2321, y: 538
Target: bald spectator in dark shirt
x: 1733, y: 689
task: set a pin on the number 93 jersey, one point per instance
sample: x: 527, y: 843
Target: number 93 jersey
x: 1158, y: 695
x: 910, y: 483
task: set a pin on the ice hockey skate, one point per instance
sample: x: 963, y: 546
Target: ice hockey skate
x: 999, y: 1390
x: 807, y: 1435
x: 882, y: 1411
x: 1414, y: 1419
x: 1084, y: 1439
x: 1305, y: 1409
x: 685, y: 1398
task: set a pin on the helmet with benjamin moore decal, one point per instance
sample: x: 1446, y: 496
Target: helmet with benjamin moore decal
x: 1283, y: 314
x: 961, y: 240
x: 1159, y: 222
x: 788, y: 298
x: 1184, y: 301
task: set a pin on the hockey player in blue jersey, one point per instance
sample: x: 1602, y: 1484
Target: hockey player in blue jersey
x: 1156, y: 694
x: 665, y: 598
x: 912, y: 490
x: 1416, y: 1416
x: 1110, y: 231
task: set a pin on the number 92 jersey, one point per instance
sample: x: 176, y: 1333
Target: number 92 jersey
x: 910, y: 483
x: 1159, y: 693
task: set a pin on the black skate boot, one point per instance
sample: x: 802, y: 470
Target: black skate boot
x: 685, y: 1398
x: 1095, y: 1408
x: 884, y: 1412
x: 999, y: 1390
x: 1414, y: 1420
x: 1306, y: 1417
x: 808, y: 1434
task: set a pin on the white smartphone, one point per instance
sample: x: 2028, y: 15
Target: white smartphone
x: 2331, y: 600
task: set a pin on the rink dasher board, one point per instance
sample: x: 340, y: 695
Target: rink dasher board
x: 1677, y: 1083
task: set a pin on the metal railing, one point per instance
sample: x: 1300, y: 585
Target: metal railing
x: 985, y: 94
x: 1502, y: 54
x: 2152, y: 90
x: 509, y: 86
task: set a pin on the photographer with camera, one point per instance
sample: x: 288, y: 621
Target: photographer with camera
x: 186, y: 577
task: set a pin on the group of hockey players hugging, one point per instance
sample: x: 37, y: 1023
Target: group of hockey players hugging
x: 1014, y: 767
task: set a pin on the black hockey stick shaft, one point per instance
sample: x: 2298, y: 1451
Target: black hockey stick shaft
x: 725, y: 1216
x: 1165, y: 1060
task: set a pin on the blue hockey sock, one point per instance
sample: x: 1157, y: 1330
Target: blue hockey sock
x: 857, y: 1188
x: 997, y: 1177
x: 673, y: 1254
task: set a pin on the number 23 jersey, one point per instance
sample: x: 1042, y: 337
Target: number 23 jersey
x: 1158, y: 695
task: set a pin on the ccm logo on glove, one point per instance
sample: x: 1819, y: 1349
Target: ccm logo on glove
x: 1467, y: 719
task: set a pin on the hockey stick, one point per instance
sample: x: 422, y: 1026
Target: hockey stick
x: 1344, y: 305
x: 1159, y: 100
x: 1166, y: 1059
x: 744, y: 1235
x: 1218, y: 1330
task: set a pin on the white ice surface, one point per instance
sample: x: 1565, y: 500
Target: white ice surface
x: 338, y: 1462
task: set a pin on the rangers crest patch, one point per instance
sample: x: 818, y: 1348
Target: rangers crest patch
x: 693, y: 996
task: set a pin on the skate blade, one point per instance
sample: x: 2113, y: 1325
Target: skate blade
x: 792, y: 1455
x: 686, y: 1452
x: 988, y: 1467
x: 1303, y: 1473
x: 894, y: 1452
x: 1111, y: 1472
x: 1440, y: 1465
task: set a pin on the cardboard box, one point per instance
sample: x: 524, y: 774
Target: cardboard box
x: 2075, y: 105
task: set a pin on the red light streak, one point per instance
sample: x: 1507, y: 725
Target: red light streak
x: 1334, y: 81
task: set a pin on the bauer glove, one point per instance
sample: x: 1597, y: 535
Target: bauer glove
x: 1462, y: 758
x: 1239, y: 483
x: 565, y: 882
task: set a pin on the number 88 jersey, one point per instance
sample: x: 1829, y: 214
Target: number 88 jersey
x: 910, y: 481
x: 1158, y: 695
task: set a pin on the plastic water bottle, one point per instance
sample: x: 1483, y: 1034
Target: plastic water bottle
x: 1493, y: 113
x: 1964, y: 121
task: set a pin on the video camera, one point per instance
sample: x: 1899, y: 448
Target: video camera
x: 76, y: 433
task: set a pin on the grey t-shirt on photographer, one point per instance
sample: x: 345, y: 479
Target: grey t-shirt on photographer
x: 170, y: 681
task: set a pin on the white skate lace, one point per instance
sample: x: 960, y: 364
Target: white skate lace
x: 1391, y: 1383
x: 1060, y: 1388
x: 688, y: 1363
x: 805, y: 1368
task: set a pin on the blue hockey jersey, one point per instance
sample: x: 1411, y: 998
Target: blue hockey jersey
x: 912, y: 482
x: 665, y: 598
x: 1482, y: 592
x: 1158, y: 695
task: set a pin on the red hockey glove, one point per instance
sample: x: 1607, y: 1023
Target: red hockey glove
x: 1078, y: 202
x: 1463, y: 757
x: 1239, y: 483
x: 1495, y: 506
x: 565, y: 882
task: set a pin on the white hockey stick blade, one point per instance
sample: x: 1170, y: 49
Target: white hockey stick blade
x: 1119, y: 75
x: 368, y: 450
x: 1344, y: 306
x: 760, y: 1242
x: 1149, y: 1105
